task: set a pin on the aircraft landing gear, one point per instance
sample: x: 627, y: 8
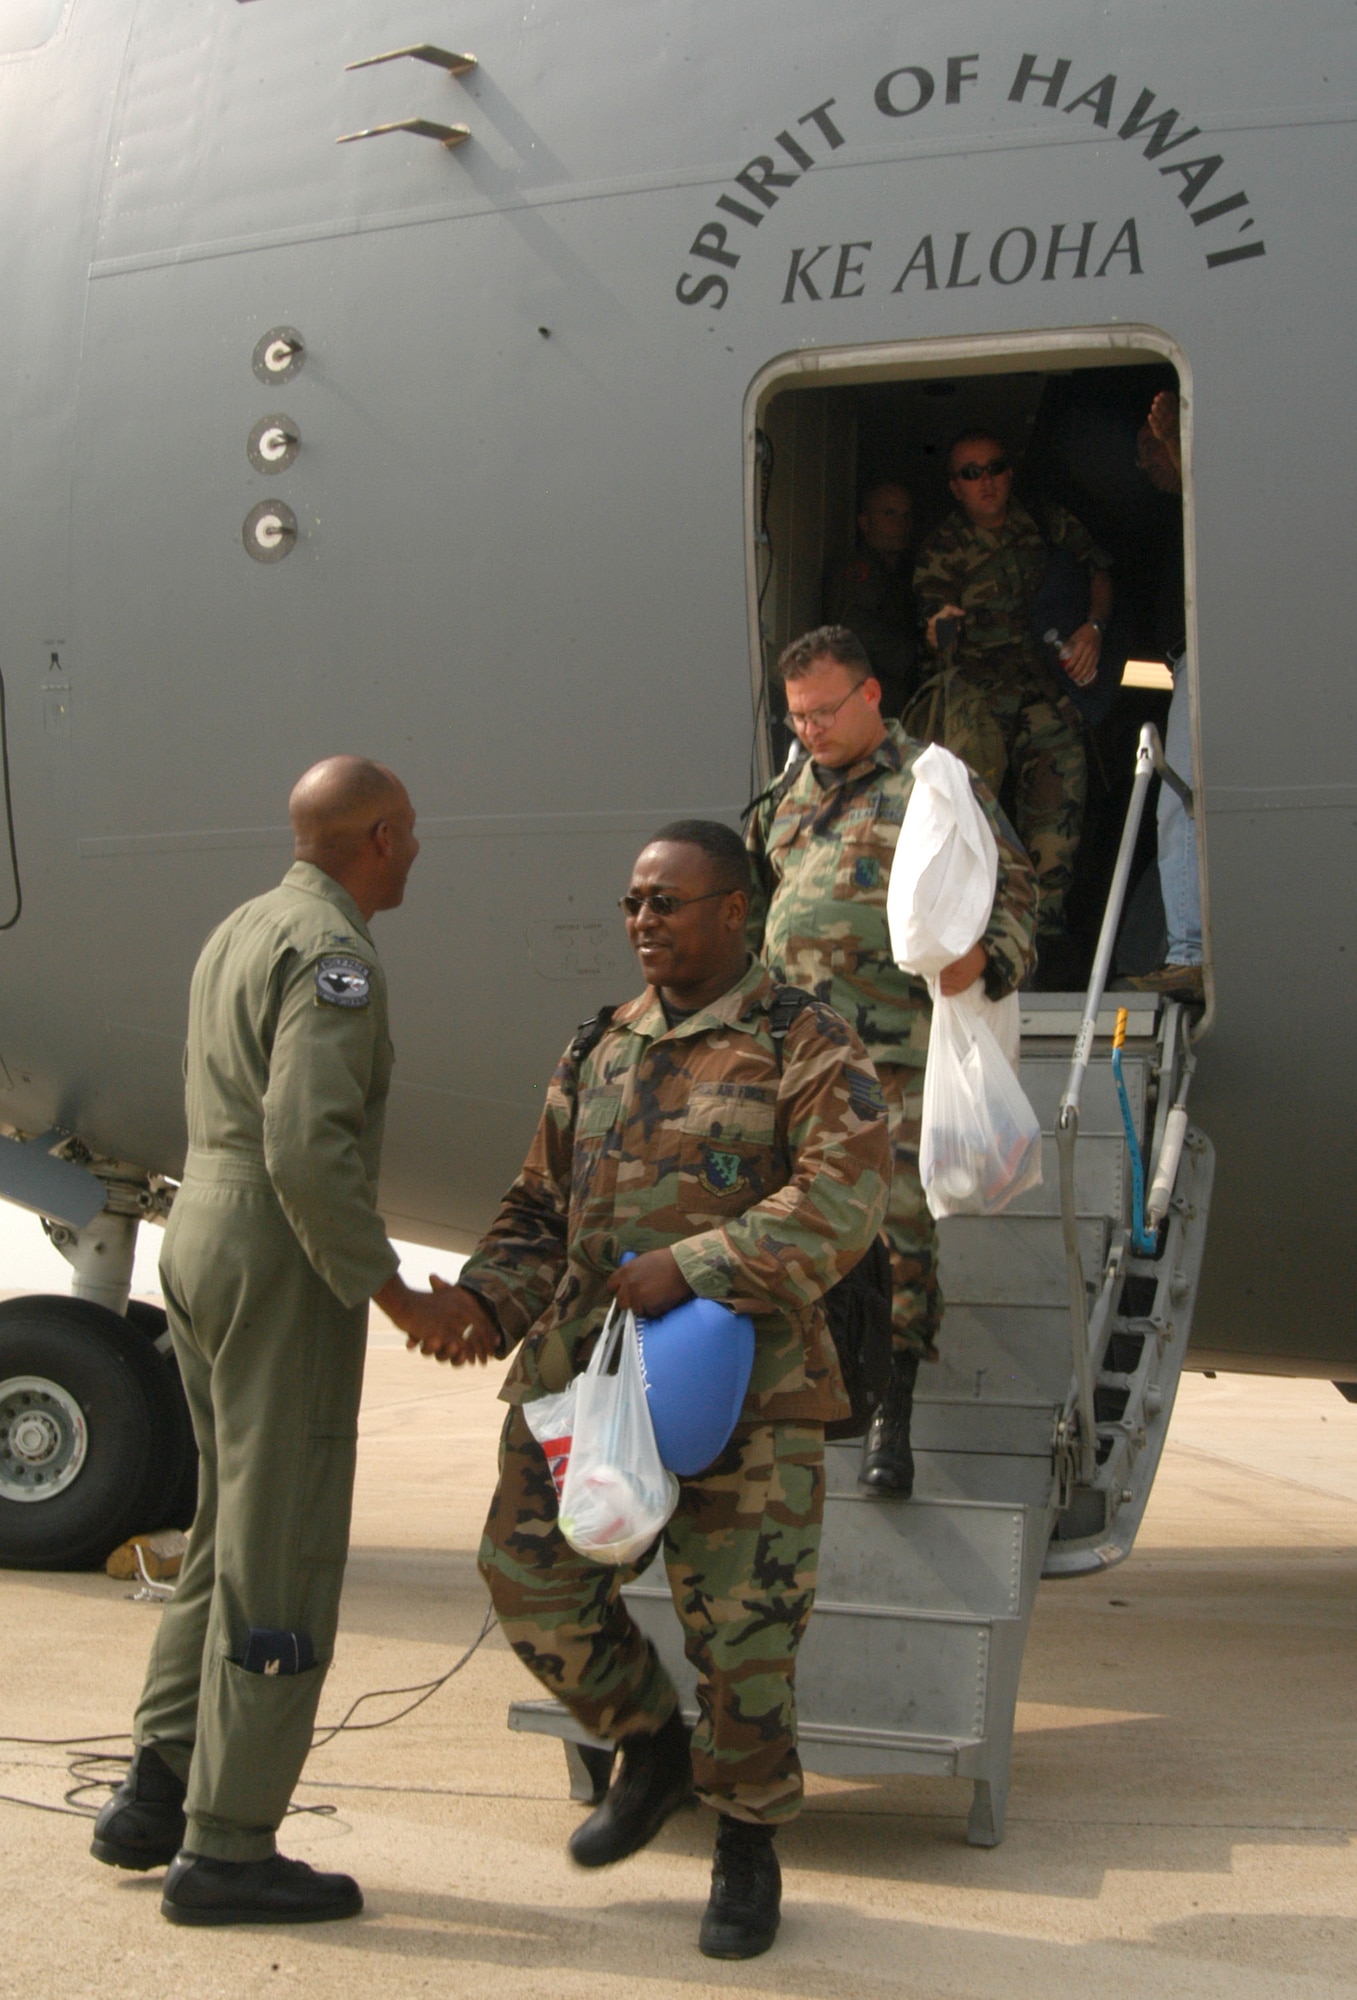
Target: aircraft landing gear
x: 92, y: 1443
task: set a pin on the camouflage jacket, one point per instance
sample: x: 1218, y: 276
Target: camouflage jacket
x: 767, y: 1180
x: 993, y: 574
x: 823, y: 850
x: 877, y: 603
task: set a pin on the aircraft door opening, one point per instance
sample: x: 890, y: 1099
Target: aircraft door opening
x: 827, y: 431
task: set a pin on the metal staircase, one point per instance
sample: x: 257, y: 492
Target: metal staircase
x: 1036, y: 1436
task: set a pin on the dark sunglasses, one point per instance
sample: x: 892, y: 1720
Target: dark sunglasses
x: 992, y: 470
x: 663, y: 904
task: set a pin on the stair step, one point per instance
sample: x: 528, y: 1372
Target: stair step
x: 1017, y: 1354
x: 1015, y: 1260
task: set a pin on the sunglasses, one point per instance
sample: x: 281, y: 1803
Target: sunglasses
x: 994, y: 468
x: 663, y: 904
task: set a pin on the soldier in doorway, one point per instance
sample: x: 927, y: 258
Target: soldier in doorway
x: 872, y: 593
x: 982, y: 567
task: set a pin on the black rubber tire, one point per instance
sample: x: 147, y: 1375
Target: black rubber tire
x: 179, y: 1478
x: 118, y: 1380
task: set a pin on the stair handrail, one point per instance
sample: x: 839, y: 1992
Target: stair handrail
x: 1149, y: 761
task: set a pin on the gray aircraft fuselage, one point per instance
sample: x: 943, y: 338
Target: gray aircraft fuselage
x: 518, y: 443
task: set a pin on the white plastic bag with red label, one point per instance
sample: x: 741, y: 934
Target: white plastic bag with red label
x: 616, y: 1495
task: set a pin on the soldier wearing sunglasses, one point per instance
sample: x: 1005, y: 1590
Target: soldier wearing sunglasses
x: 983, y: 566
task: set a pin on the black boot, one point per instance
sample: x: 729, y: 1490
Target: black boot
x: 742, y: 1916
x: 142, y: 1825
x: 199, y: 1890
x: 655, y: 1779
x: 887, y: 1461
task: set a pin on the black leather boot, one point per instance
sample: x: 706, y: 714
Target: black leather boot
x: 199, y: 1890
x: 655, y: 1779
x: 887, y: 1461
x: 142, y: 1825
x: 745, y: 1908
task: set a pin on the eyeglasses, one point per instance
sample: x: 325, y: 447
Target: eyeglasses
x: 994, y: 468
x: 820, y: 718
x: 662, y: 903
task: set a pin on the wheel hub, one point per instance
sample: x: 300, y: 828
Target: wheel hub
x: 44, y: 1439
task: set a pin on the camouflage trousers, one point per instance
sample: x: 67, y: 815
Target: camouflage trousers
x: 1045, y: 752
x: 916, y: 1309
x: 741, y: 1554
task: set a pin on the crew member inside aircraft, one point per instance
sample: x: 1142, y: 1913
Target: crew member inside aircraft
x: 872, y: 593
x: 1004, y: 707
x: 273, y: 1249
x: 1159, y: 456
x: 823, y: 839
x: 736, y: 1165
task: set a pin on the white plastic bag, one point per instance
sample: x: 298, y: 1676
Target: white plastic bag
x: 945, y: 866
x: 981, y: 1143
x: 617, y: 1495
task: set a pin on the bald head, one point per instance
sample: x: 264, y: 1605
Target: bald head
x: 352, y: 818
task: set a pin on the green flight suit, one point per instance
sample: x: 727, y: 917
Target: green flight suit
x: 273, y: 1249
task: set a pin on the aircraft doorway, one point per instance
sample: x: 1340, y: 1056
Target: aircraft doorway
x: 827, y: 431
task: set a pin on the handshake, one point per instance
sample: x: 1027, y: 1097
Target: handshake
x: 447, y: 1323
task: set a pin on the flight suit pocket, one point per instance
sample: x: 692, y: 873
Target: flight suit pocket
x: 727, y: 1149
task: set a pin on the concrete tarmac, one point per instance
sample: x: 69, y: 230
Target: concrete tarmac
x: 1181, y: 1819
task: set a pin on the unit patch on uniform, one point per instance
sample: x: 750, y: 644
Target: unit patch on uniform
x: 343, y: 982
x: 722, y: 1173
x: 865, y: 1095
x: 867, y: 871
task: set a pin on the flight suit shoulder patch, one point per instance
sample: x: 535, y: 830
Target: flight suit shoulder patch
x: 342, y: 981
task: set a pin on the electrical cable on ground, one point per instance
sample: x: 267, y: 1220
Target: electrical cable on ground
x: 82, y: 1767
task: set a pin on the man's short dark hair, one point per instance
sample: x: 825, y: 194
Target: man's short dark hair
x: 720, y: 843
x: 978, y: 436
x: 887, y: 485
x: 826, y: 642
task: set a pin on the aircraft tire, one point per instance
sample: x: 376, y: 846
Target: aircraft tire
x: 84, y: 1406
x: 179, y: 1481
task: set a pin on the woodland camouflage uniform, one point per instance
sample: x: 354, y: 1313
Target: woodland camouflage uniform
x: 823, y: 849
x: 993, y: 574
x: 768, y: 1180
x: 877, y: 603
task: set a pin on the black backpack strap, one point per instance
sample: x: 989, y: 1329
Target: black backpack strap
x: 787, y: 1003
x: 590, y: 1033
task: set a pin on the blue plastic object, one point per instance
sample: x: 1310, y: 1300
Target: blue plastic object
x: 696, y: 1361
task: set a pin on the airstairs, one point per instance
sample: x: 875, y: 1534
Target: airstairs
x: 1037, y: 1434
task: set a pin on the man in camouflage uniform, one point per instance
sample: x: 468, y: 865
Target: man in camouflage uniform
x: 735, y: 1173
x: 824, y: 838
x: 872, y: 594
x: 984, y: 565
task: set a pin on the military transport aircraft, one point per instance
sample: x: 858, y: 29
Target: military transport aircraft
x: 487, y: 390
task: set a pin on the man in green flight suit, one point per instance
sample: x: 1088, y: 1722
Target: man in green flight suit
x: 823, y: 839
x: 273, y: 1249
x: 737, y: 1171
x: 983, y: 566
